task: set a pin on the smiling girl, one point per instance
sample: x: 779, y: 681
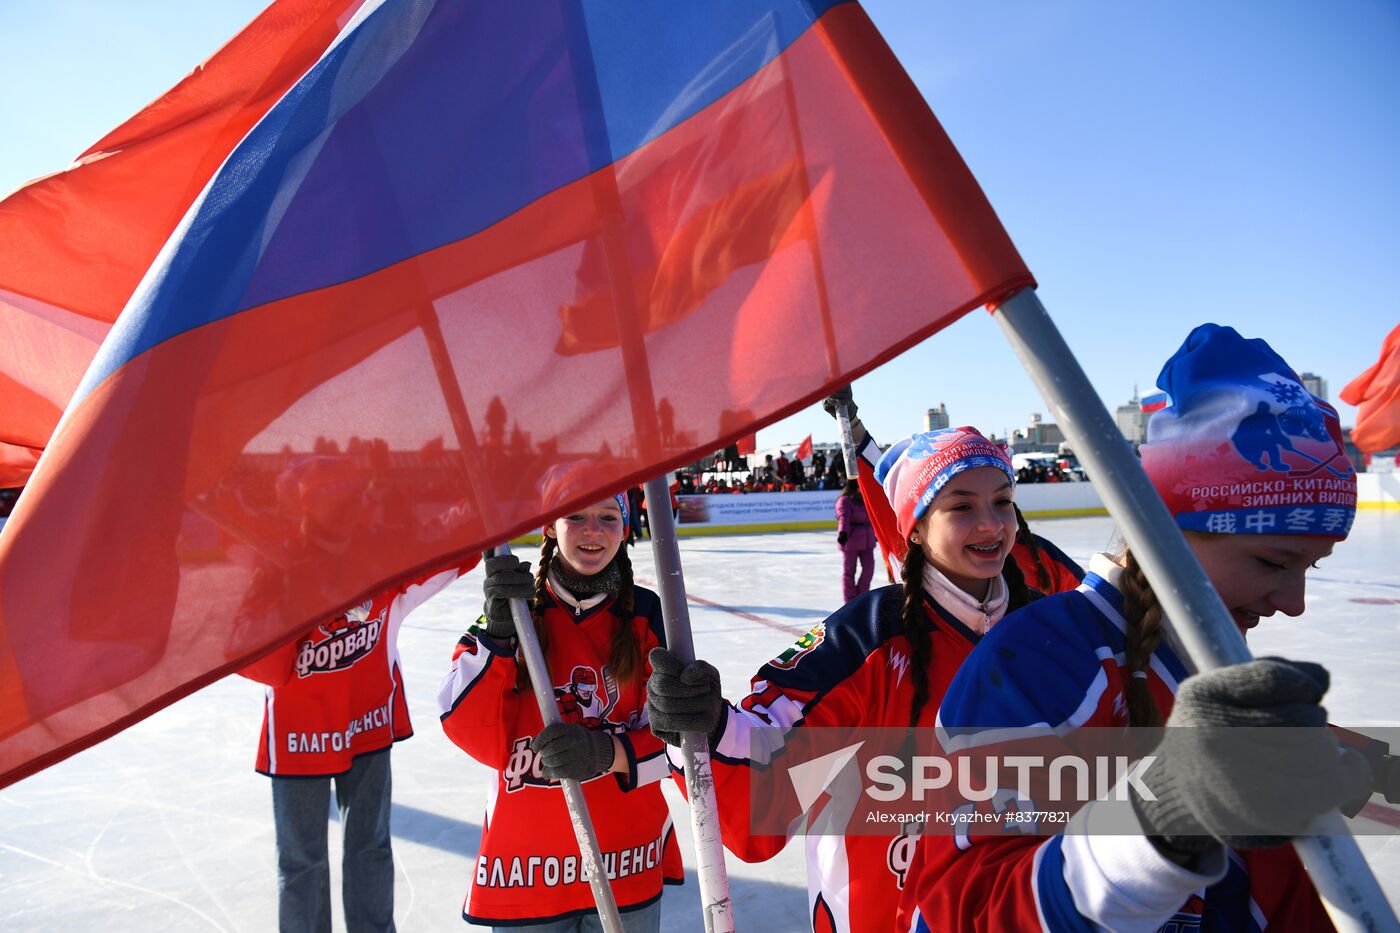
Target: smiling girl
x: 1252, y: 468
x: 883, y: 659
x: 595, y: 627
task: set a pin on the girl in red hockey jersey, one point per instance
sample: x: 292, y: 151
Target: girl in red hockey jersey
x: 596, y: 628
x: 883, y: 659
x: 1253, y: 469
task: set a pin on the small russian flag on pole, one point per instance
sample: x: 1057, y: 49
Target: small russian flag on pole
x: 1154, y: 401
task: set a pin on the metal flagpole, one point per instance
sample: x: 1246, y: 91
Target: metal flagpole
x: 1193, y: 609
x: 695, y: 746
x: 591, y: 857
x: 589, y: 854
x: 711, y: 873
x: 848, y: 443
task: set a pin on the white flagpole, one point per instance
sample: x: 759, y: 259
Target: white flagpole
x: 1335, y: 864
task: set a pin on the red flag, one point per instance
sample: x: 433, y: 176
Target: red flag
x: 748, y: 444
x: 78, y: 241
x: 804, y: 449
x: 1376, y: 394
x: 381, y: 261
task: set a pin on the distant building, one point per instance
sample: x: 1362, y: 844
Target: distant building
x: 1038, y: 437
x: 1316, y: 385
x: 1132, y: 420
x: 936, y: 418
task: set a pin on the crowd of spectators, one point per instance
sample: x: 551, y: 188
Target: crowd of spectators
x: 772, y: 475
x: 1044, y: 472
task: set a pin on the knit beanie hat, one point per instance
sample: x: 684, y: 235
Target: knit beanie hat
x: 565, y: 482
x: 1242, y: 447
x: 916, y: 468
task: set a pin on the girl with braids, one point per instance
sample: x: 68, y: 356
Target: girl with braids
x: 1252, y: 467
x: 595, y: 627
x: 883, y: 659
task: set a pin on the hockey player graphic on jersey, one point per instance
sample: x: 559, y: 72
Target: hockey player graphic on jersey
x: 580, y: 701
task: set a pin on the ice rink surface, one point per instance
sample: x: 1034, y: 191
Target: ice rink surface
x: 167, y: 826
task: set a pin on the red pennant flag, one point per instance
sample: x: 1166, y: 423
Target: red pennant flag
x: 380, y: 260
x: 1376, y: 394
x: 804, y: 449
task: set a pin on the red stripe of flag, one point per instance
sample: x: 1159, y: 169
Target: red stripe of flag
x: 800, y: 230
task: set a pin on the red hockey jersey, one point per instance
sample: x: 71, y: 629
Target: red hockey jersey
x: 338, y: 693
x: 527, y: 870
x: 1061, y: 570
x: 850, y: 670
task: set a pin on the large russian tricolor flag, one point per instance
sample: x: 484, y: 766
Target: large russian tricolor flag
x: 471, y: 241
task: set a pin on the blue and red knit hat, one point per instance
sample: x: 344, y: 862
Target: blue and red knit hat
x: 1242, y: 447
x: 564, y: 482
x: 916, y: 468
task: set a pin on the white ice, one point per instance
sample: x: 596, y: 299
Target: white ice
x: 167, y: 827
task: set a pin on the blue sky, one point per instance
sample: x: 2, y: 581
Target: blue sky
x: 1158, y: 164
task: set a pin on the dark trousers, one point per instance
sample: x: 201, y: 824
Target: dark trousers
x: 301, y: 809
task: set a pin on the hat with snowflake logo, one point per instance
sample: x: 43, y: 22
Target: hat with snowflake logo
x: 916, y: 468
x: 1242, y: 447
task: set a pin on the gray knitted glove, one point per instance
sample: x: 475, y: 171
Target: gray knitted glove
x: 843, y: 396
x: 683, y: 698
x: 569, y: 751
x: 1243, y: 786
x: 507, y: 578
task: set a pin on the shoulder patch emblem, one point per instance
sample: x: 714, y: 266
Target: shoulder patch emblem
x: 801, y: 648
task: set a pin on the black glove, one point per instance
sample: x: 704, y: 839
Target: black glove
x: 507, y: 578
x: 569, y: 751
x: 1250, y: 789
x: 683, y: 698
x: 841, y: 538
x: 843, y: 396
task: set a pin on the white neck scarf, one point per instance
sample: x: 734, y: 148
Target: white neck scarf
x: 978, y: 615
x: 579, y: 606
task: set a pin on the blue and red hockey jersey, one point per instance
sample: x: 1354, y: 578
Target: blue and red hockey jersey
x: 851, y: 670
x: 1060, y: 662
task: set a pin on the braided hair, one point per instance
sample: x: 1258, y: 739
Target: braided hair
x: 625, y: 653
x: 1024, y: 537
x: 548, y: 548
x: 1018, y: 594
x: 1143, y: 614
x: 915, y: 629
